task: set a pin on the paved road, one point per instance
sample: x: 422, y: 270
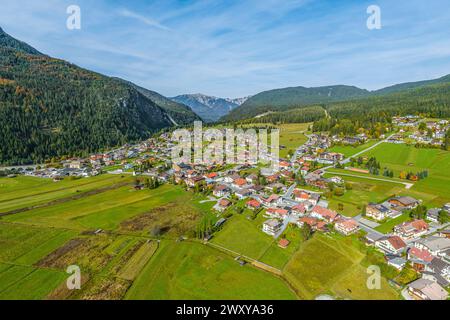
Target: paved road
x: 366, y: 227
x: 286, y: 221
x: 289, y: 191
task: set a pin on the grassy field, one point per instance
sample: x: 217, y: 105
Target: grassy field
x: 332, y: 265
x: 253, y: 245
x: 349, y: 151
x: 291, y: 135
x: 435, y: 189
x: 53, y: 229
x: 22, y: 192
x: 203, y: 273
x: 363, y: 191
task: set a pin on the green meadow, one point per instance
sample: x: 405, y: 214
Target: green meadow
x: 195, y: 271
x: 349, y: 151
x: 333, y: 265
x: 50, y: 225
x: 435, y: 189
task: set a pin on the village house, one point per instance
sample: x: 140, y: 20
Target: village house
x: 397, y: 262
x: 253, y: 204
x: 299, y: 210
x: 439, y: 271
x: 283, y: 243
x: 193, y: 181
x: 433, y: 215
x: 314, y: 223
x: 411, y: 229
x: 424, y: 289
x: 404, y: 203
x: 278, y: 213
x: 239, y: 183
x: 436, y: 246
x: 243, y: 193
x: 302, y: 196
x: 271, y: 201
x: 252, y: 178
x: 346, y: 226
x: 272, y: 227
x: 419, y: 258
x: 377, y: 211
x: 211, y: 176
x: 391, y: 245
x: 222, y: 205
x: 221, y: 191
x: 324, y: 214
x: 255, y: 188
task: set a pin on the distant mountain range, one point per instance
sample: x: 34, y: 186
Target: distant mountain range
x: 51, y: 108
x: 279, y: 100
x: 209, y: 108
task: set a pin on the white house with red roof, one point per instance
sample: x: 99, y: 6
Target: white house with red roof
x: 391, y: 245
x: 277, y: 213
x: 346, y: 226
x: 324, y: 214
x: 411, y: 229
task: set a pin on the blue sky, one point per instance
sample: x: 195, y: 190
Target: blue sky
x: 238, y: 48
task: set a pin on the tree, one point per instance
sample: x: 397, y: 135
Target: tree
x: 443, y: 217
x: 339, y: 192
x: 306, y: 231
x: 420, y: 212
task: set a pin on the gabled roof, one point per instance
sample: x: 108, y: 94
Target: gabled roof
x: 421, y: 254
x: 324, y: 212
x: 396, y: 242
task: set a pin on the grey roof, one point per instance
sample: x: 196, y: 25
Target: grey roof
x: 433, y: 212
x: 272, y: 223
x: 439, y: 279
x: 436, y: 243
x: 371, y: 236
x: 398, y: 261
x: 430, y: 288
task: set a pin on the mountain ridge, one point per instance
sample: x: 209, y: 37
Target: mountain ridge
x: 209, y: 108
x: 52, y: 108
x: 283, y: 99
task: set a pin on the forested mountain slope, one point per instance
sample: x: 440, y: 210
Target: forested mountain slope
x: 49, y: 107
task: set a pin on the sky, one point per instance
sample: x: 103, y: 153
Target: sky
x: 239, y: 48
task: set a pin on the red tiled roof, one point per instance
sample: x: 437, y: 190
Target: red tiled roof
x: 348, y: 223
x: 419, y: 225
x: 240, y: 182
x: 324, y: 212
x: 273, y: 197
x: 253, y: 203
x: 308, y: 220
x: 284, y: 164
x: 299, y: 207
x: 224, y: 202
x: 396, y: 242
x: 283, y: 243
x: 421, y: 254
x: 278, y: 211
